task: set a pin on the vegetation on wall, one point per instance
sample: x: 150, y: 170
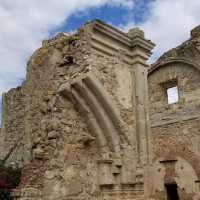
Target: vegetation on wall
x: 9, y: 179
x: 10, y: 176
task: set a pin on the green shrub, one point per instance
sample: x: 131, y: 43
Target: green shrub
x: 9, y: 179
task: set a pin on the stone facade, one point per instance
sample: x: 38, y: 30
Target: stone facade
x: 83, y: 127
x: 175, y: 127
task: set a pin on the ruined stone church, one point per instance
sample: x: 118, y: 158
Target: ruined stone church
x: 94, y: 121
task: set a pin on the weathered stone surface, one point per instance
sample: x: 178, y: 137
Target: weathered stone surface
x: 175, y: 127
x: 89, y: 129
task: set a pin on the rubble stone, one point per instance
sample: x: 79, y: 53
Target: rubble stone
x: 92, y: 121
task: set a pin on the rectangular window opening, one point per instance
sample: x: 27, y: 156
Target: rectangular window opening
x: 172, y: 192
x: 172, y: 94
x: 170, y: 91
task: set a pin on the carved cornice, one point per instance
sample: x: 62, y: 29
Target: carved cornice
x: 107, y: 40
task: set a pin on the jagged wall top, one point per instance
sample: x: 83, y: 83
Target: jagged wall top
x: 187, y: 52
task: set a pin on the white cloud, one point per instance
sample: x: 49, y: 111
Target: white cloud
x: 169, y: 22
x: 25, y: 23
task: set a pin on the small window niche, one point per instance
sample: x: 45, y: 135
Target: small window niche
x: 172, y: 95
x: 172, y: 91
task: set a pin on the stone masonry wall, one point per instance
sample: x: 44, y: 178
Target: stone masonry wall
x: 60, y: 138
x: 13, y: 134
x: 79, y: 117
x: 175, y: 130
x: 80, y: 125
x: 64, y: 152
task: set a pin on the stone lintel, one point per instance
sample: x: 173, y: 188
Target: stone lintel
x: 108, y: 161
x: 168, y: 161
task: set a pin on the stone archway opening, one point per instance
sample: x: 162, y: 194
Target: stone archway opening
x: 172, y: 192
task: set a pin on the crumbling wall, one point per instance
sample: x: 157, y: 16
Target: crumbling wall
x: 187, y: 80
x: 1, y: 144
x: 175, y: 127
x: 13, y: 136
x: 117, y: 79
x: 64, y: 152
x: 80, y: 105
x: 60, y: 140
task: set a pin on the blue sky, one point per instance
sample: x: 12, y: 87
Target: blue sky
x: 24, y: 24
x: 115, y: 15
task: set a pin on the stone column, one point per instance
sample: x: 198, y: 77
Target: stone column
x: 141, y: 51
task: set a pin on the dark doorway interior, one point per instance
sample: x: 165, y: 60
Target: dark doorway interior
x: 172, y: 192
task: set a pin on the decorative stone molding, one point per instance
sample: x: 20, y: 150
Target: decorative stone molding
x: 96, y: 106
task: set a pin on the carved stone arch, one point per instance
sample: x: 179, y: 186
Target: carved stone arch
x: 172, y: 61
x: 96, y: 106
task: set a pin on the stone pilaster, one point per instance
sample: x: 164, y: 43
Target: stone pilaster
x: 141, y: 51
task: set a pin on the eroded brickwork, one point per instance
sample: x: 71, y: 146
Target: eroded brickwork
x: 176, y: 127
x: 80, y: 116
x: 83, y: 115
x: 13, y: 129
